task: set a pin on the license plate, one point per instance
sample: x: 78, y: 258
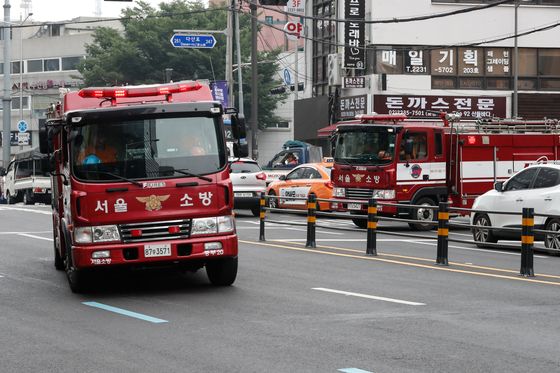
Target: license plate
x: 243, y: 194
x: 157, y: 250
x: 354, y: 206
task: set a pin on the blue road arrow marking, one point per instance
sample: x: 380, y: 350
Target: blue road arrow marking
x: 124, y: 312
x: 353, y: 370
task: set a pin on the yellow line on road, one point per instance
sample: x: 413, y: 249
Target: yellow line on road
x: 433, y: 267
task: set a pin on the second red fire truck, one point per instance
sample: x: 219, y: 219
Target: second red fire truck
x: 140, y: 178
x: 397, y: 160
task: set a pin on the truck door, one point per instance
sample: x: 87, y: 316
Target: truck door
x: 413, y: 166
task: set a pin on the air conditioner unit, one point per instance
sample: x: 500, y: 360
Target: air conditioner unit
x: 334, y: 71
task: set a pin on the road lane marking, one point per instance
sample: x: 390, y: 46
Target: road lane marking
x: 24, y: 232
x: 124, y: 312
x: 359, y: 295
x: 36, y: 237
x: 482, y: 250
x: 431, y: 267
x: 353, y: 370
x: 26, y: 210
x: 350, y: 240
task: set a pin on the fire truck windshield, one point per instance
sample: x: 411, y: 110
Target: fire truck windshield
x: 374, y: 146
x: 147, y: 148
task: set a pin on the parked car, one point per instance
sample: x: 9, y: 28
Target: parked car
x: 537, y: 186
x: 300, y: 183
x: 249, y: 181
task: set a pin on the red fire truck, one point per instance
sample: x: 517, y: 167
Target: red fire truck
x: 140, y: 179
x: 397, y: 160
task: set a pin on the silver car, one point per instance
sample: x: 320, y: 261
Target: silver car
x: 249, y: 181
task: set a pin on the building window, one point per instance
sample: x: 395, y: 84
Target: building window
x: 52, y: 64
x: 282, y: 125
x: 533, y: 2
x: 34, y: 66
x: 15, y: 102
x: 269, y: 20
x: 71, y: 63
x: 16, y: 67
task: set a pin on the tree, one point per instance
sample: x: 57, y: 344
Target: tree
x: 143, y: 51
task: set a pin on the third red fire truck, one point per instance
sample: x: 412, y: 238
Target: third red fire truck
x: 397, y: 160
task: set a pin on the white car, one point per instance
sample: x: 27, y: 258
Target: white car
x: 249, y: 181
x: 537, y: 186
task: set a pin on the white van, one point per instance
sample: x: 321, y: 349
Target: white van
x: 27, y: 178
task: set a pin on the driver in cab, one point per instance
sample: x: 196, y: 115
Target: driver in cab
x: 98, y: 150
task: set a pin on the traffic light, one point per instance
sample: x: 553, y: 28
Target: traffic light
x: 300, y: 87
x: 333, y: 69
x: 278, y: 90
x: 274, y: 2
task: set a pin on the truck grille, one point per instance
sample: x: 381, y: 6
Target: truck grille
x: 358, y: 193
x: 154, y: 231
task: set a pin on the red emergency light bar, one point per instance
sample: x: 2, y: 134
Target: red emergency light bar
x: 381, y: 117
x: 140, y: 91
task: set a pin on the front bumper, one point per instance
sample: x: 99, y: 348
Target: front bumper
x: 132, y: 254
x: 382, y: 210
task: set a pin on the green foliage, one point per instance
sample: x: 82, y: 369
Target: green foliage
x: 141, y: 54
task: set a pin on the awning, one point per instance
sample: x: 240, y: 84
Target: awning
x: 326, y: 131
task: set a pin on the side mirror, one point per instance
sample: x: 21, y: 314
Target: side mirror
x: 282, y: 177
x: 45, y: 143
x: 499, y: 186
x: 240, y: 147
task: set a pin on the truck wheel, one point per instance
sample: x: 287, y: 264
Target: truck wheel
x: 222, y: 272
x: 272, y: 202
x: 360, y: 223
x: 552, y: 241
x: 27, y: 198
x: 77, y: 279
x: 423, y: 214
x: 480, y: 235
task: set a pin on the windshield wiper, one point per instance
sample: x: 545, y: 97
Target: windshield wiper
x: 185, y: 171
x: 116, y: 176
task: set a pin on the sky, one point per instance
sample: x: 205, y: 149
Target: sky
x: 59, y: 10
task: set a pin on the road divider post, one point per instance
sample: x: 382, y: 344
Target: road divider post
x: 443, y: 234
x: 311, y: 219
x: 262, y: 214
x: 371, y: 246
x: 527, y: 241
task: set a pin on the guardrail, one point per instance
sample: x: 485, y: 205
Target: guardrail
x: 442, y: 224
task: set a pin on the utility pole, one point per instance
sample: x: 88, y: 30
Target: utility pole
x: 254, y: 81
x: 229, y: 52
x: 7, y: 99
x: 239, y: 72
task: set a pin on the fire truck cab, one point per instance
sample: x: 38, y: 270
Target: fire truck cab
x: 140, y: 178
x: 401, y: 161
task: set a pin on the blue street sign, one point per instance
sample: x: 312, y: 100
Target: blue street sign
x: 287, y: 76
x: 22, y: 126
x: 193, y: 41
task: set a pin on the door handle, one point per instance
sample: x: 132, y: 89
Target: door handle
x: 519, y: 200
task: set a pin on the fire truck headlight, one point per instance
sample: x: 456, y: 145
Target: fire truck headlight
x: 106, y: 233
x: 338, y: 192
x: 225, y: 224
x: 82, y: 235
x: 383, y: 194
x: 204, y: 226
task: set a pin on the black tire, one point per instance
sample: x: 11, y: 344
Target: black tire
x: 256, y: 211
x: 483, y: 236
x: 272, y: 202
x: 423, y: 214
x: 77, y: 279
x: 58, y: 261
x: 552, y: 241
x: 27, y: 198
x: 360, y: 223
x: 222, y: 272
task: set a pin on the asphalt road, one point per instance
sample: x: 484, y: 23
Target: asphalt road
x: 292, y: 308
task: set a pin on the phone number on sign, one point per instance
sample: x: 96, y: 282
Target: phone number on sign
x: 412, y: 113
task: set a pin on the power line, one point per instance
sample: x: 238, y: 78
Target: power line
x: 391, y: 20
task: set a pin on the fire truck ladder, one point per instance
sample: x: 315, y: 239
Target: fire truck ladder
x: 509, y: 126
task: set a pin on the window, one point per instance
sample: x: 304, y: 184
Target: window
x: 521, y: 181
x: 269, y: 20
x: 438, y: 143
x: 52, y: 64
x: 71, y: 63
x: 16, y: 102
x: 547, y: 177
x: 244, y: 167
x: 283, y: 124
x: 296, y: 174
x: 16, y: 67
x: 549, y: 62
x: 34, y: 66
x: 527, y: 62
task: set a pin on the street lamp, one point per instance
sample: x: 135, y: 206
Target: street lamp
x: 516, y: 59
